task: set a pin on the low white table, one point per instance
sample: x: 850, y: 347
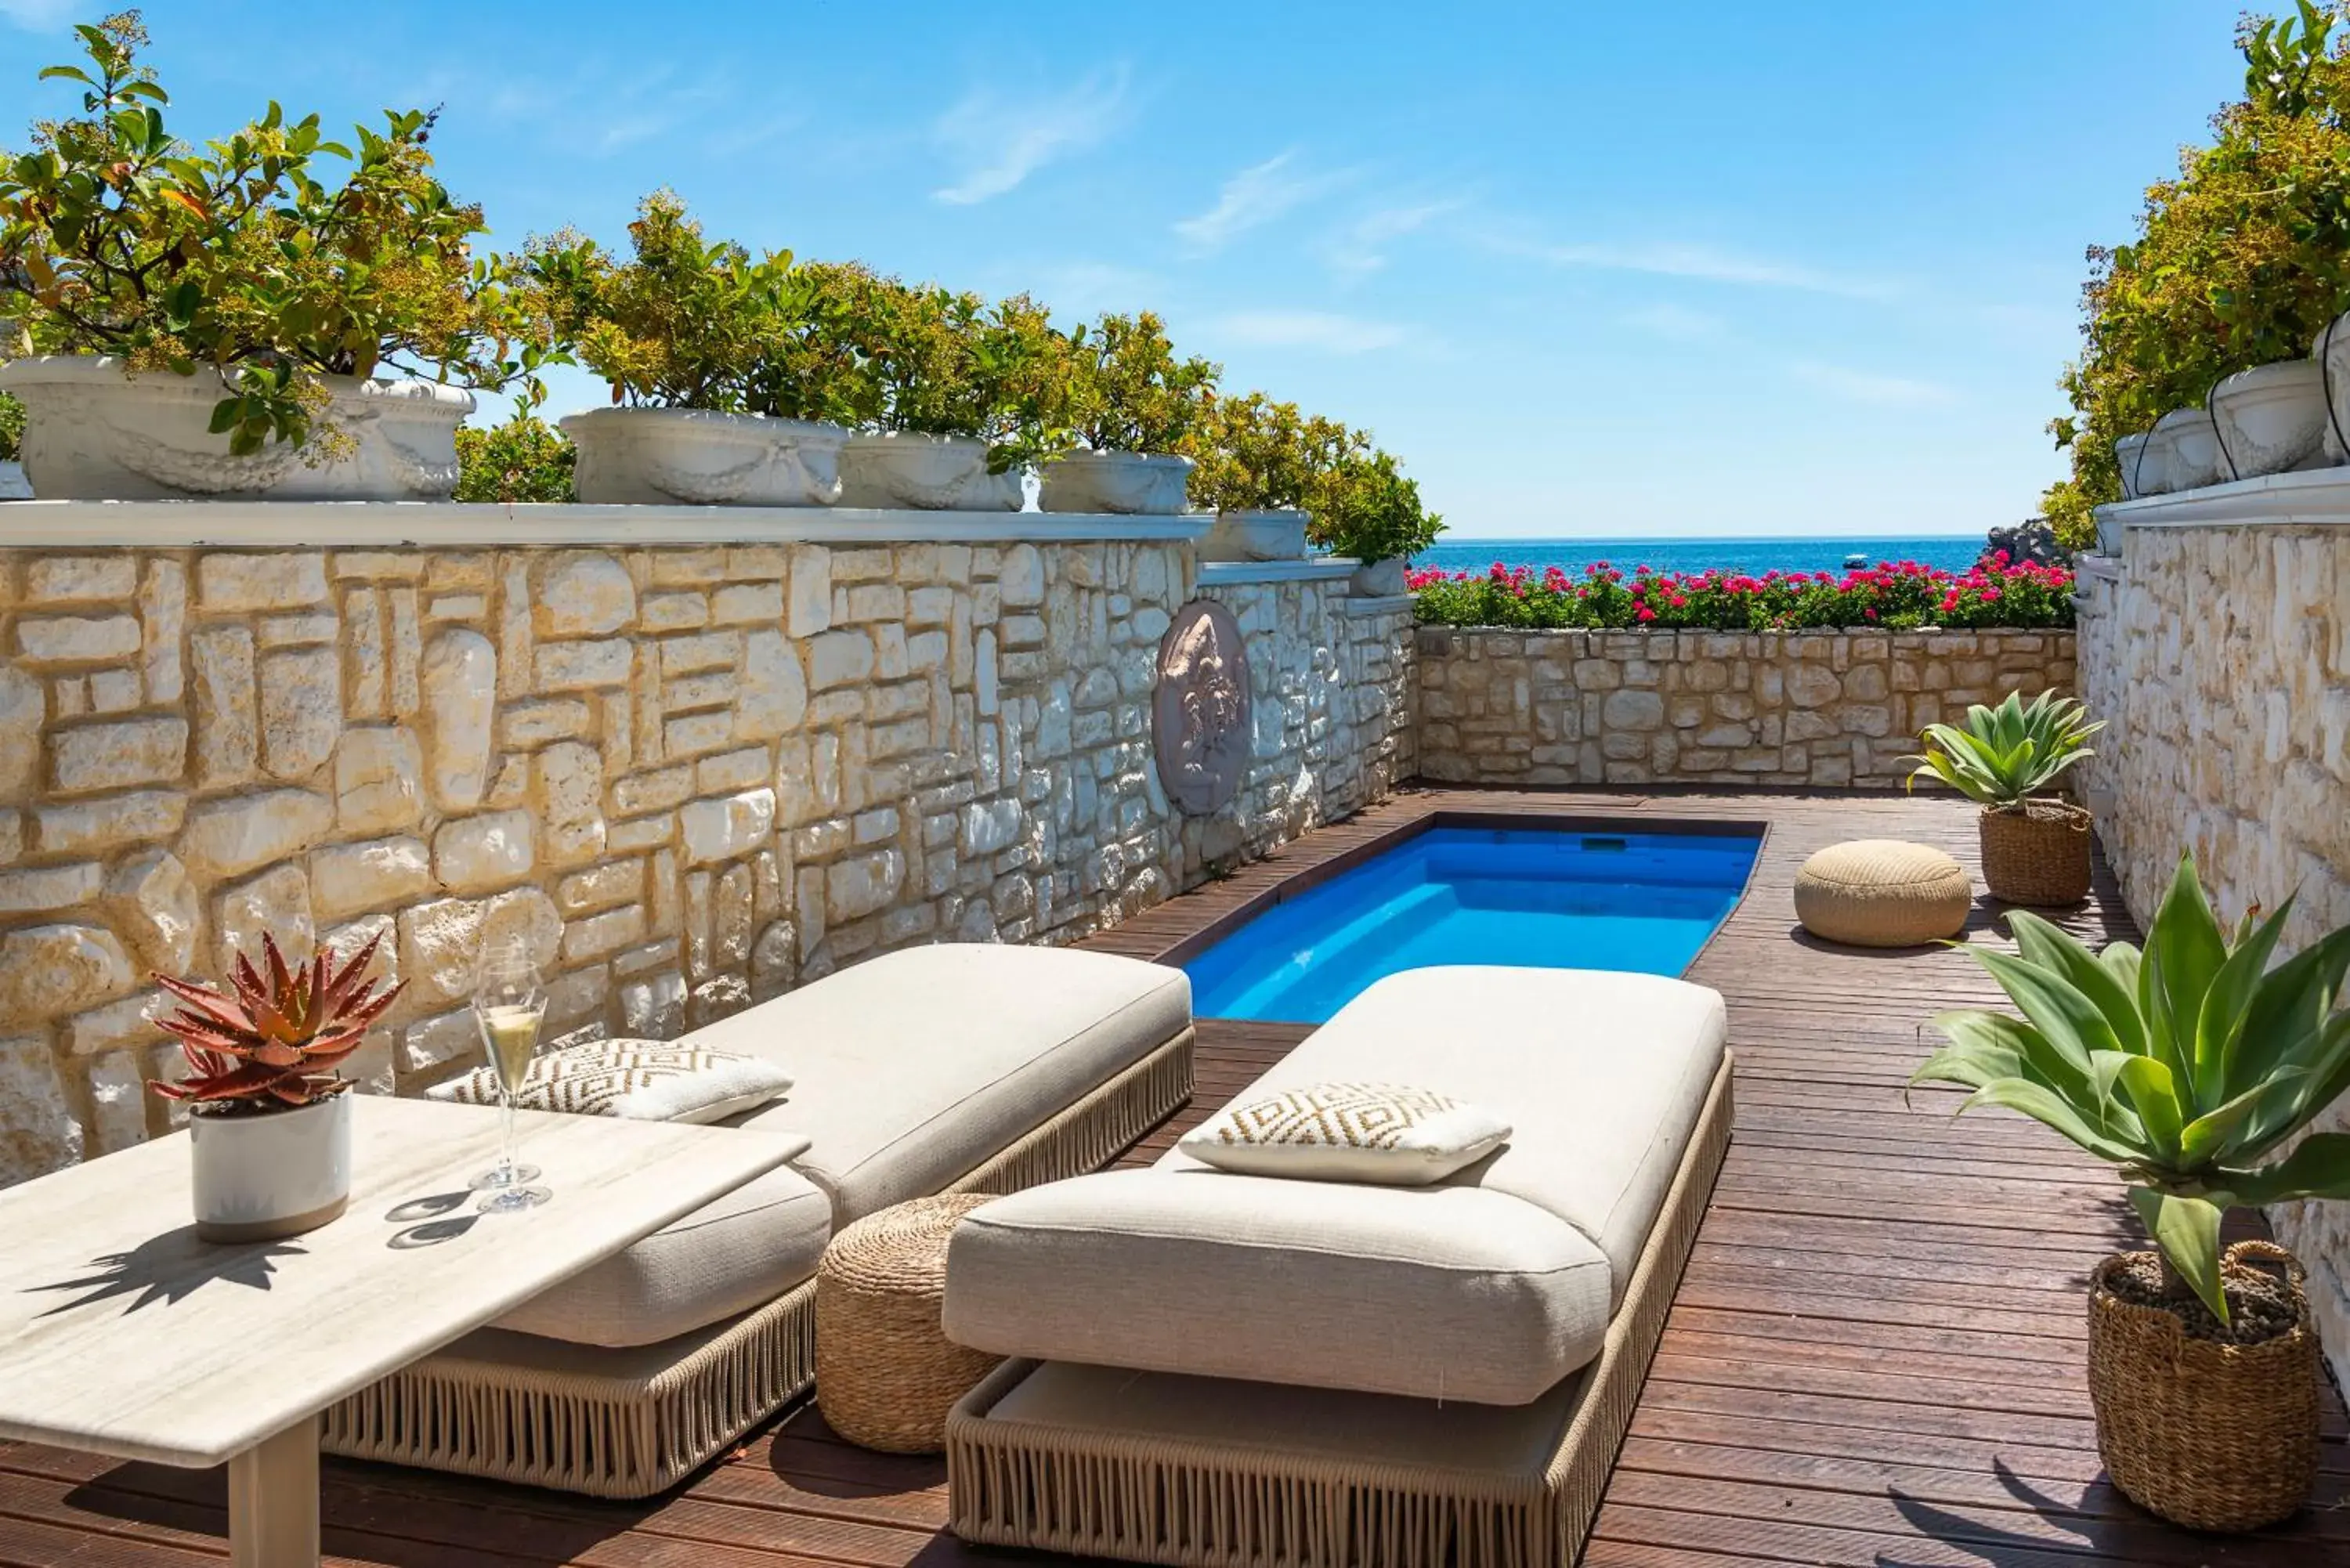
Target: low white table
x: 122, y: 1334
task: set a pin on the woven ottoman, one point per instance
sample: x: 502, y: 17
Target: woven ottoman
x: 885, y: 1374
x: 1883, y: 893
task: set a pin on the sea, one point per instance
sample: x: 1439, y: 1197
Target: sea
x: 1952, y: 552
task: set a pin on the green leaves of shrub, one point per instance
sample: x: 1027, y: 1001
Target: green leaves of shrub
x: 2002, y: 756
x: 2187, y: 1066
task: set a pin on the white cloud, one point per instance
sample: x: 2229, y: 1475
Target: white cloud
x: 40, y: 16
x: 1359, y: 248
x: 997, y: 141
x: 1701, y: 263
x: 1320, y: 329
x: 1256, y: 196
x: 1870, y: 386
x: 1677, y: 323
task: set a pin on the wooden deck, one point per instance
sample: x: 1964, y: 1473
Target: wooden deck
x: 1874, y: 1358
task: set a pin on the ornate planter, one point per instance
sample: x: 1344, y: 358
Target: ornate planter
x: 94, y: 434
x: 2126, y: 457
x: 656, y: 456
x: 13, y: 486
x: 2036, y: 855
x: 2332, y: 352
x: 262, y: 1174
x: 1256, y: 536
x: 2182, y: 452
x: 1378, y: 580
x: 926, y: 472
x: 2271, y: 418
x: 2209, y: 1435
x: 1149, y: 484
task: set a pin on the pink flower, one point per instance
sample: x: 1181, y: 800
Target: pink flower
x: 1644, y: 613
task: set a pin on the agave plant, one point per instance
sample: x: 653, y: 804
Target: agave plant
x: 275, y: 1043
x: 2188, y: 1066
x: 2002, y: 756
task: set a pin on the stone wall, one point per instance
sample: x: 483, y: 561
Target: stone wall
x: 689, y: 776
x: 1820, y: 708
x: 2220, y: 659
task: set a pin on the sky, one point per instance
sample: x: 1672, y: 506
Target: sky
x: 1604, y: 270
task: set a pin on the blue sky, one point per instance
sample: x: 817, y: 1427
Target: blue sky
x: 1603, y: 270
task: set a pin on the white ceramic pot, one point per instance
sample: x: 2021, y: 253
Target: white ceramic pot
x: 2126, y: 456
x: 13, y: 486
x: 1256, y: 536
x: 94, y: 434
x: 2182, y: 453
x: 2332, y: 352
x: 2272, y: 419
x: 260, y: 1175
x: 662, y: 456
x: 925, y: 472
x: 1378, y: 580
x: 1135, y: 484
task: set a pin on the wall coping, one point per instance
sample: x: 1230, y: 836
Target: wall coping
x: 280, y: 524
x: 1314, y: 569
x: 1378, y: 605
x: 2316, y: 497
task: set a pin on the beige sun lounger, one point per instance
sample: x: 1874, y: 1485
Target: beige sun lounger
x: 1223, y: 1370
x: 949, y: 1068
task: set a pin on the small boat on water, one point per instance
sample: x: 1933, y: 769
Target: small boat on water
x: 1854, y: 562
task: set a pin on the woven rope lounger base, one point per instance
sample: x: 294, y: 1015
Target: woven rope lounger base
x: 628, y: 1423
x: 1209, y: 1473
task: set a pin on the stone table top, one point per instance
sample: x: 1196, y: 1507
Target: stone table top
x: 122, y: 1334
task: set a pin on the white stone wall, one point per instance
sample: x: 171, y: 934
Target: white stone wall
x: 1823, y: 708
x: 692, y: 776
x: 2220, y: 659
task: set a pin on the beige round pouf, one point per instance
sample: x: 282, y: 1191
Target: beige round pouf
x: 885, y: 1375
x: 1883, y: 893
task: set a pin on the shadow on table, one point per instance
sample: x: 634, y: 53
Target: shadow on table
x: 169, y: 1268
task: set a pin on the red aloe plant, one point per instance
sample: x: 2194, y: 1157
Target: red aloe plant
x: 275, y: 1043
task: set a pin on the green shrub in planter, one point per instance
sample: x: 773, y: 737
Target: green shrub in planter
x: 235, y: 259
x: 1128, y: 391
x: 932, y: 361
x: 12, y: 428
x: 1365, y: 507
x: 522, y: 460
x: 1253, y: 454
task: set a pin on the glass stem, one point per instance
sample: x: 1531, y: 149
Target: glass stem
x: 506, y: 1151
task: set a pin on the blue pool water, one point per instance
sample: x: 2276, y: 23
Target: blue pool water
x: 1544, y: 898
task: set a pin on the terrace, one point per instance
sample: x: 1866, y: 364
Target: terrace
x: 1875, y: 1356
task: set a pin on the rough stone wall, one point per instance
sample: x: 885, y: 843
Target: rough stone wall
x: 2221, y: 661
x: 1822, y: 708
x: 689, y: 777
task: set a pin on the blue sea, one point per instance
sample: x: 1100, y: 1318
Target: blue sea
x: 1953, y: 552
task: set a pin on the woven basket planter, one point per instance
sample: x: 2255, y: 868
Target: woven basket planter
x: 886, y: 1375
x: 2209, y: 1436
x: 2038, y: 855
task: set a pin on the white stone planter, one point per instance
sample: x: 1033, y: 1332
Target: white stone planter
x: 93, y: 433
x: 2332, y: 352
x: 925, y: 472
x: 2126, y: 452
x: 1133, y: 483
x: 1256, y: 536
x: 1378, y: 580
x: 13, y: 486
x: 2271, y: 418
x: 662, y: 456
x: 261, y: 1175
x: 2181, y: 454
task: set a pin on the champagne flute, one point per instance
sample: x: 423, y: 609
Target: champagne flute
x: 509, y: 1000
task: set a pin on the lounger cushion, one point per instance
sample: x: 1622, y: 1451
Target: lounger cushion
x: 1602, y: 1074
x: 1445, y: 1293
x: 913, y: 1068
x: 728, y: 1256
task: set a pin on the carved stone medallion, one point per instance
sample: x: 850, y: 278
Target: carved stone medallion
x: 1200, y: 713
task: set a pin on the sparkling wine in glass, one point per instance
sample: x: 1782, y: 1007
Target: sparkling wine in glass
x: 509, y: 1000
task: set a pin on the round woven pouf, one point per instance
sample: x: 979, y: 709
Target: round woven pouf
x: 1883, y: 893
x: 885, y: 1375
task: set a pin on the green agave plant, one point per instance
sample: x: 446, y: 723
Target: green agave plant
x: 2188, y: 1064
x: 2003, y: 755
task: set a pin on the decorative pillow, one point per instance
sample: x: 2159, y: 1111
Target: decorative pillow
x: 641, y: 1080
x: 1386, y: 1134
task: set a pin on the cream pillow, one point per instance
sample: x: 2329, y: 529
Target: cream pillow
x: 641, y: 1080
x: 1386, y: 1134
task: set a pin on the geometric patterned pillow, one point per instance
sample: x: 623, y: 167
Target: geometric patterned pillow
x: 641, y: 1080
x: 1386, y: 1134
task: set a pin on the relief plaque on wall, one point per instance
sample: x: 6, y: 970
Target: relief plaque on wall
x: 1199, y: 712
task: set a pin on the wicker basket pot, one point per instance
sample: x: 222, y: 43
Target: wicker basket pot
x: 2037, y: 852
x: 2209, y: 1436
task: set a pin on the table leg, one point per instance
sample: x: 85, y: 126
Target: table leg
x: 272, y: 1501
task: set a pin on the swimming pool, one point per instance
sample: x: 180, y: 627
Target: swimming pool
x: 1545, y: 897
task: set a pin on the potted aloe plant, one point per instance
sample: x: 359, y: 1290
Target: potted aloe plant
x: 1364, y: 507
x: 269, y: 1121
x: 1133, y: 404
x: 719, y: 395
x: 2035, y: 845
x: 217, y: 320
x: 2193, y: 1066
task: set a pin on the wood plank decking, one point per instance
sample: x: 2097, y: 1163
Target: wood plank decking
x: 1874, y: 1358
